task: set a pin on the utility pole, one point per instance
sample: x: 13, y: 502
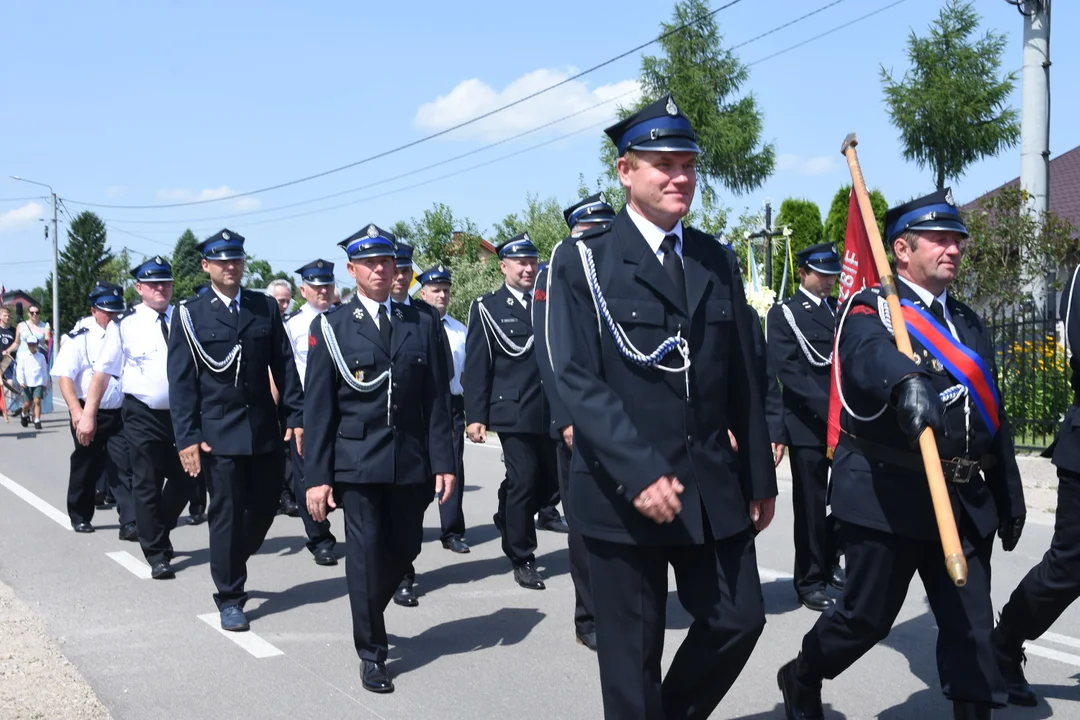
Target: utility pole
x: 1035, y: 121
x: 55, y: 265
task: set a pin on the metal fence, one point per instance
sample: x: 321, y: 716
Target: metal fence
x: 1033, y: 373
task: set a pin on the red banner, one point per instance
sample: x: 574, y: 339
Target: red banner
x: 858, y: 273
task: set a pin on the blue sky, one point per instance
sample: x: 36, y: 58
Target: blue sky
x: 135, y: 103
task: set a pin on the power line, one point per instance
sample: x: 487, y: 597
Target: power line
x: 788, y: 24
x: 385, y: 180
x: 827, y: 32
x: 23, y: 199
x: 25, y: 262
x: 432, y: 136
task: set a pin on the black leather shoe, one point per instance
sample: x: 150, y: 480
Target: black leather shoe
x: 162, y: 571
x: 455, y: 545
x: 800, y: 702
x: 197, y: 516
x: 83, y: 527
x: 839, y: 578
x: 405, y: 597
x: 588, y: 639
x: 1010, y: 659
x: 128, y: 531
x: 527, y: 576
x: 324, y: 556
x: 375, y: 678
x: 816, y: 600
x: 288, y: 505
x: 554, y: 525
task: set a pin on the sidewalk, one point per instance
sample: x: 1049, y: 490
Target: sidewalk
x: 36, y: 681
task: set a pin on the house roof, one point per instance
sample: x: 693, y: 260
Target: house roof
x: 1064, y: 187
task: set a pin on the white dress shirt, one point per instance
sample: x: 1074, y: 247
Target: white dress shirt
x: 135, y: 351
x: 519, y: 295
x: 75, y: 360
x: 455, y: 335
x: 298, y: 327
x: 226, y: 300
x: 372, y: 306
x: 654, y: 235
x: 928, y: 299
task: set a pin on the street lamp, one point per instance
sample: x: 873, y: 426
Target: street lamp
x: 55, y: 260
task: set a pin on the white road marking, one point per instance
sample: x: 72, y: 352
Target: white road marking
x: 249, y: 641
x: 137, y: 567
x: 1060, y: 639
x: 1039, y: 651
x: 37, y: 503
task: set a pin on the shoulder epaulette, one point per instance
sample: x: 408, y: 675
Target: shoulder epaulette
x: 290, y: 315
x: 126, y: 314
x: 330, y: 309
x: 591, y: 233
x: 78, y: 331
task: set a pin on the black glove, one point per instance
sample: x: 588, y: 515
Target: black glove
x: 917, y: 406
x: 1009, y: 531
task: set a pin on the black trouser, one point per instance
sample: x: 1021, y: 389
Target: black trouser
x: 384, y: 529
x: 530, y: 472
x: 1052, y: 585
x: 880, y: 567
x: 717, y: 584
x: 104, y: 456
x: 159, y: 485
x: 815, y: 537
x: 579, y: 555
x: 318, y: 533
x: 244, y: 494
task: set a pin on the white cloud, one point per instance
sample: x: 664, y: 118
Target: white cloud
x: 475, y: 97
x: 243, y: 204
x: 799, y: 165
x: 21, y: 217
x: 115, y: 190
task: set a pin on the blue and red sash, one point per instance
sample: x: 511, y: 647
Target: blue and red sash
x: 962, y: 363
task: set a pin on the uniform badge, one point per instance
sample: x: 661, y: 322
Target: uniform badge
x: 398, y: 314
x: 917, y: 358
x: 158, y: 260
x: 224, y: 235
x: 936, y: 365
x: 358, y: 313
x: 525, y: 236
x: 949, y: 197
x: 359, y: 375
x: 372, y: 232
x: 320, y: 264
x: 670, y: 107
x: 510, y: 301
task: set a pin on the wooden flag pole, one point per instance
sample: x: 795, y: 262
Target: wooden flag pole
x: 955, y: 562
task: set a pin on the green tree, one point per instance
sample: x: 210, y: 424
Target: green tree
x: 836, y: 221
x: 472, y: 278
x: 542, y: 219
x: 402, y: 230
x: 438, y: 236
x: 259, y: 273
x: 707, y: 82
x: 951, y: 105
x: 80, y: 266
x: 1007, y: 247
x: 804, y: 219
x: 187, y: 266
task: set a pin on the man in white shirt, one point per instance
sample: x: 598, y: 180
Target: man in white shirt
x: 135, y: 351
x: 318, y: 292
x: 107, y: 454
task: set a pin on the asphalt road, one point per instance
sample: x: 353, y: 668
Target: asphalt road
x: 478, y: 646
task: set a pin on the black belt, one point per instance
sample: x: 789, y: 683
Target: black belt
x: 82, y: 404
x: 958, y: 470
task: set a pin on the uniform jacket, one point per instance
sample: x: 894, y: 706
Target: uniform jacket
x: 634, y: 424
x: 234, y: 415
x: 806, y: 387
x: 502, y: 392
x: 346, y: 432
x: 770, y: 390
x: 883, y: 496
x: 1066, y: 447
x: 558, y: 415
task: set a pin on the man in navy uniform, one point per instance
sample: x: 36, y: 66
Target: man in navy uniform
x: 879, y: 490
x: 135, y: 351
x: 224, y: 415
x: 653, y: 349
x: 591, y: 213
x: 503, y: 393
x: 318, y: 292
x: 377, y: 420
x: 800, y: 344
x: 1054, y: 584
x: 107, y: 454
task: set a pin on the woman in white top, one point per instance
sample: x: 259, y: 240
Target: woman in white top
x: 35, y: 326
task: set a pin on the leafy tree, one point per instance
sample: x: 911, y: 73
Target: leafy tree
x: 950, y: 106
x: 473, y: 278
x: 402, y: 230
x: 80, y: 266
x: 836, y: 221
x: 706, y: 81
x: 259, y: 273
x: 542, y: 219
x: 1007, y: 247
x: 804, y: 219
x: 187, y: 266
x: 439, y: 237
